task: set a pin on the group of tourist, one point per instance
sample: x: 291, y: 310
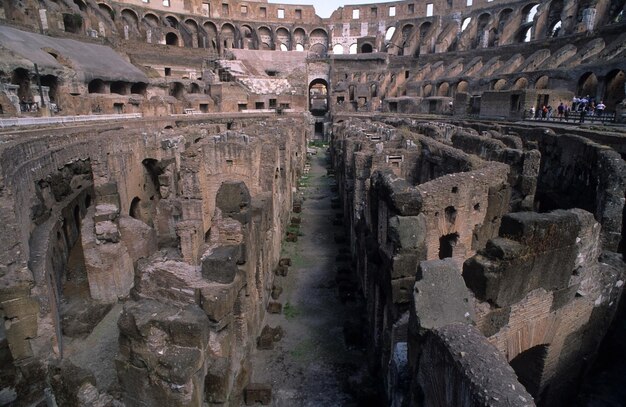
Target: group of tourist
x: 582, y: 106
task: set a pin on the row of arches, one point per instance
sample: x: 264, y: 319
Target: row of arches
x: 117, y: 87
x: 188, y: 32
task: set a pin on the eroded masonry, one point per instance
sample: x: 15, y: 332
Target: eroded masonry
x: 154, y: 161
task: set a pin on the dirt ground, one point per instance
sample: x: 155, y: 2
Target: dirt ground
x: 311, y: 365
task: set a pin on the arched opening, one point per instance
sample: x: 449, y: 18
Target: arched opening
x: 265, y: 38
x: 96, y: 86
x: 444, y: 89
x: 462, y: 87
x: 614, y: 89
x: 171, y: 39
x: 227, y: 36
x: 521, y: 83
x: 194, y: 88
x: 318, y: 97
x: 499, y: 84
x: 556, y: 28
x: 319, y: 42
x: 130, y: 18
x: 177, y: 90
x: 151, y: 20
x: 366, y: 48
x: 247, y: 38
x: 337, y: 49
x: 171, y: 21
x: 52, y: 83
x: 428, y: 90
x: 73, y: 22
x: 210, y: 36
x: 466, y: 23
x: 318, y: 49
x: 503, y: 18
x: 189, y: 32
x: 447, y: 244
x: 106, y: 10
x: 529, y: 12
x: 139, y: 88
x: 554, y: 18
x: 284, y: 38
x: 81, y: 5
x: 299, y: 47
x: 119, y: 87
x: 135, y: 208
x: 525, y: 34
x: 542, y: 82
x: 529, y: 366
x: 616, y: 11
x: 587, y: 85
x: 389, y: 33
x: 353, y: 49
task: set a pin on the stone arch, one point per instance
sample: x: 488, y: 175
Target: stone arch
x: 194, y: 88
x: 318, y: 49
x: 542, y: 82
x: 353, y: 48
x: 424, y: 29
x: 227, y: 36
x: 247, y: 37
x: 299, y: 37
x: 462, y: 87
x: 319, y: 36
x: 192, y: 30
x: 503, y: 17
x: 367, y: 48
x: 443, y: 89
x: 283, y: 37
x: 337, y: 49
x: 616, y: 11
x: 177, y: 90
x: 499, y: 84
x: 171, y: 39
x: 119, y: 88
x: 52, y: 82
x: 151, y: 20
x: 614, y: 88
x: 171, y: 21
x: 21, y: 77
x: 529, y: 11
x: 529, y: 367
x: 389, y: 32
x: 427, y: 90
x: 96, y: 86
x: 107, y: 10
x: 266, y: 38
x: 554, y: 18
x: 139, y: 88
x: 520, y: 83
x: 587, y: 84
x: 318, y: 96
x: 81, y: 5
x: 210, y: 32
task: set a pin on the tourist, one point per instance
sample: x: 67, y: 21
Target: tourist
x: 532, y: 112
x: 560, y: 111
x: 600, y: 108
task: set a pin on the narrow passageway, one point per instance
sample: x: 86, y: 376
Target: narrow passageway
x: 312, y: 365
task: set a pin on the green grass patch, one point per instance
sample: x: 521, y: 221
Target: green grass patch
x: 318, y: 143
x: 304, y: 350
x: 290, y: 311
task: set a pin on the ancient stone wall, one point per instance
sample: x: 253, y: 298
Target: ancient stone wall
x: 134, y: 201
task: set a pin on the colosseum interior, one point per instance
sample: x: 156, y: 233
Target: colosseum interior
x: 229, y: 202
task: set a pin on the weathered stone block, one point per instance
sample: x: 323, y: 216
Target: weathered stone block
x: 258, y: 393
x: 220, y: 264
x: 440, y: 297
x: 274, y: 307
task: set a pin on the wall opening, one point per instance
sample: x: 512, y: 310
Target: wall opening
x: 447, y: 244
